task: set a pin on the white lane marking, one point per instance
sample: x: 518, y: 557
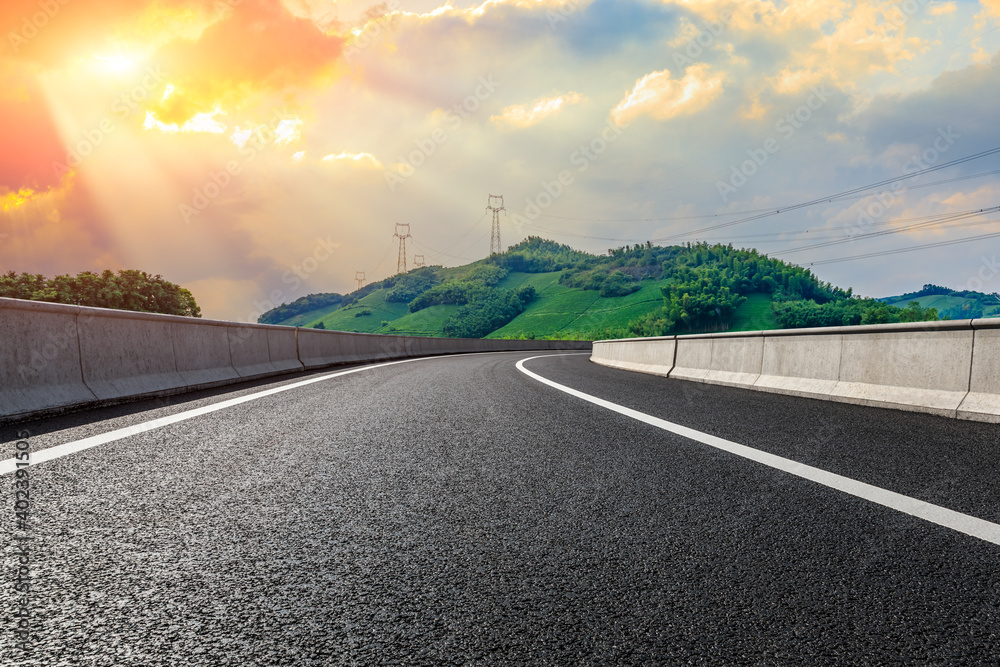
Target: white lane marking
x: 58, y: 451
x: 963, y: 523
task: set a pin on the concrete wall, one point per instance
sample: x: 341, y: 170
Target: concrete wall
x: 40, y: 359
x: 945, y: 368
x: 55, y: 357
x: 983, y: 401
x: 647, y: 355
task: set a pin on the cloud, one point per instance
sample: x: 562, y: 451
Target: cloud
x: 201, y: 122
x: 990, y: 7
x: 662, y: 97
x: 526, y: 115
x: 364, y: 160
x: 256, y: 47
x: 942, y: 8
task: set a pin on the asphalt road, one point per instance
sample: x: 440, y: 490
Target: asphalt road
x: 456, y: 511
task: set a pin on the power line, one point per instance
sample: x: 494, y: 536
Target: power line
x: 939, y: 220
x: 898, y: 251
x: 837, y: 196
x: 966, y: 177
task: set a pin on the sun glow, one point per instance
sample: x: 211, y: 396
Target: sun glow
x: 116, y: 64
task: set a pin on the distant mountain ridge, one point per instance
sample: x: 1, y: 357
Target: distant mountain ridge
x: 542, y: 289
x: 950, y: 304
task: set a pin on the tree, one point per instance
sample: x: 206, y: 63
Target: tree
x: 127, y: 290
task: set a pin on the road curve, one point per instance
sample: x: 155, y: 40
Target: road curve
x: 456, y: 511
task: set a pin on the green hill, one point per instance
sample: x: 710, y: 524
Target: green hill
x: 951, y: 304
x: 541, y: 289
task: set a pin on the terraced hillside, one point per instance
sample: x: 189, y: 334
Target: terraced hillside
x: 540, y: 289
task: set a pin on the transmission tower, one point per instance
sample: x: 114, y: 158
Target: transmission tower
x: 402, y: 233
x: 418, y: 261
x: 495, y: 204
x: 360, y: 277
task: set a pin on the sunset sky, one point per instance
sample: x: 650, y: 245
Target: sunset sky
x: 255, y: 151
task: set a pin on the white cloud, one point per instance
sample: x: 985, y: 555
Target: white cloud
x: 526, y: 115
x: 662, y: 97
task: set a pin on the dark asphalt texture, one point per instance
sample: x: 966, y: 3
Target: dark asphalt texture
x: 455, y: 511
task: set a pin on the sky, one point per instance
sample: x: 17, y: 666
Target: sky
x: 255, y: 151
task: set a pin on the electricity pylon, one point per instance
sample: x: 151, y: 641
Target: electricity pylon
x: 402, y: 233
x: 360, y: 277
x: 495, y: 204
x: 418, y: 261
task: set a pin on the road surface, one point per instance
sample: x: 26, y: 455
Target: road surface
x: 457, y: 510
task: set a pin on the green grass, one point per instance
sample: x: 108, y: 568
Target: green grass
x: 935, y: 301
x: 427, y: 322
x: 556, y: 307
x: 343, y: 319
x: 563, y: 310
x: 617, y: 311
x: 755, y: 314
x: 540, y: 281
x: 307, y: 318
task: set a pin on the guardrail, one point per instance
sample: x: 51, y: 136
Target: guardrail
x: 55, y: 357
x: 947, y: 368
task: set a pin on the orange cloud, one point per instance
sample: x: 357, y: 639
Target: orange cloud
x: 259, y: 45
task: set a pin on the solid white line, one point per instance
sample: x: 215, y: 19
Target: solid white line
x: 963, y: 523
x: 58, y: 451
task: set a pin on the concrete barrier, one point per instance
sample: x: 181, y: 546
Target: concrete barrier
x: 801, y: 362
x: 646, y: 355
x: 283, y: 348
x: 39, y: 358
x: 949, y: 368
x: 126, y: 354
x: 201, y: 352
x: 983, y: 400
x: 55, y: 357
x: 921, y: 366
x: 321, y: 348
x: 736, y: 359
x: 692, y: 358
x: 250, y: 351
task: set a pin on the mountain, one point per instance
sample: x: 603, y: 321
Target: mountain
x: 951, y: 304
x: 542, y: 289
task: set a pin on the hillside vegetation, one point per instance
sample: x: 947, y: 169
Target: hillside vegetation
x: 542, y: 289
x: 951, y: 304
x: 128, y: 289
